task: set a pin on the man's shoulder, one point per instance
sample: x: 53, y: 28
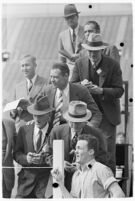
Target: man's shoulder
x: 64, y: 32
x: 77, y: 86
x: 28, y: 126
x: 60, y: 128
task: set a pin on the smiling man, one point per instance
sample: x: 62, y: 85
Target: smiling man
x: 92, y: 179
x: 29, y: 88
x: 32, y: 149
x: 61, y: 92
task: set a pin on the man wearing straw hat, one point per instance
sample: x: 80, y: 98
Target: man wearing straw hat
x: 103, y: 77
x: 32, y: 151
x: 77, y: 117
x: 71, y: 39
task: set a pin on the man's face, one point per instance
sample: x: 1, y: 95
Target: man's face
x: 72, y: 21
x: 28, y: 68
x: 94, y: 56
x: 82, y: 152
x: 89, y: 28
x: 77, y: 126
x: 41, y: 120
x: 57, y: 79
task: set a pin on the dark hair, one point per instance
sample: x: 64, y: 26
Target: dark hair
x: 93, y: 142
x: 63, y: 67
x: 97, y: 26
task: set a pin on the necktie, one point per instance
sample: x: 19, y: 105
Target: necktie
x: 74, y: 140
x: 30, y: 85
x: 74, y: 40
x: 39, y: 140
x: 58, y: 111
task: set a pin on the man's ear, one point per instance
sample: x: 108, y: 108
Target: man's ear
x: 91, y: 152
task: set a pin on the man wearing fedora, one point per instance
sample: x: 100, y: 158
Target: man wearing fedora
x: 77, y: 117
x: 111, y: 50
x: 32, y: 151
x: 71, y: 39
x: 103, y: 77
x: 61, y: 92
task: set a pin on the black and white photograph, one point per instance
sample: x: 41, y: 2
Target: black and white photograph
x: 67, y: 99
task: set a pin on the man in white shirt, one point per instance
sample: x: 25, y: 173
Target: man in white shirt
x: 92, y: 179
x: 32, y: 149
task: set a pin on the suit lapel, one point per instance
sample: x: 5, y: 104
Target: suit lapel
x: 23, y: 89
x: 103, y: 73
x: 51, y: 95
x: 36, y: 87
x: 69, y: 41
x: 30, y: 133
x: 79, y: 39
x: 84, y: 74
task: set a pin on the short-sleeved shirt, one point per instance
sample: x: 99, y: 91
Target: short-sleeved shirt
x: 93, y: 181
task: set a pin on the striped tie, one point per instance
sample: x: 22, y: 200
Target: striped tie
x: 74, y: 40
x: 39, y: 140
x: 58, y: 111
x: 30, y: 85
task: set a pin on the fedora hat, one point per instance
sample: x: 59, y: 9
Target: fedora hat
x: 70, y: 10
x: 40, y: 106
x: 94, y: 42
x: 77, y: 112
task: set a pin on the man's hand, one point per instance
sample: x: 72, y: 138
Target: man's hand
x: 57, y: 175
x: 94, y: 89
x: 74, y: 57
x: 35, y: 158
x: 69, y: 167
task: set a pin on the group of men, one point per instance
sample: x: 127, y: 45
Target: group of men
x: 80, y: 106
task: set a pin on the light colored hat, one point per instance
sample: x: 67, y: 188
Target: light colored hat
x: 70, y: 10
x: 77, y: 112
x: 40, y: 106
x: 94, y: 42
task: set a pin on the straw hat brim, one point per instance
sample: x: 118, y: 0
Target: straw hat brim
x: 33, y: 111
x: 87, y: 47
x: 73, y: 119
x: 65, y: 16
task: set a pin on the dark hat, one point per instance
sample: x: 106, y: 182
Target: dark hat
x: 70, y: 10
x: 95, y: 42
x: 40, y: 106
x: 77, y: 112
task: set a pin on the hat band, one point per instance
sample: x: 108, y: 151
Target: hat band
x: 77, y: 116
x: 95, y: 44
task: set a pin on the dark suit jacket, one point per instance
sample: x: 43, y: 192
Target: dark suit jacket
x: 8, y: 133
x: 28, y: 177
x: 77, y: 92
x: 64, y: 132
x: 110, y: 51
x: 110, y: 79
x: 65, y: 41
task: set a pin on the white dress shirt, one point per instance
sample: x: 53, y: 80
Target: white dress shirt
x: 35, y: 136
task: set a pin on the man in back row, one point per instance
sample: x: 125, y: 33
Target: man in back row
x: 71, y: 39
x: 111, y: 50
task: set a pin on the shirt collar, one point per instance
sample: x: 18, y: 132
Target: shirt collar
x: 33, y: 79
x: 44, y: 130
x: 96, y: 63
x: 65, y: 91
x: 76, y: 30
x: 87, y: 166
